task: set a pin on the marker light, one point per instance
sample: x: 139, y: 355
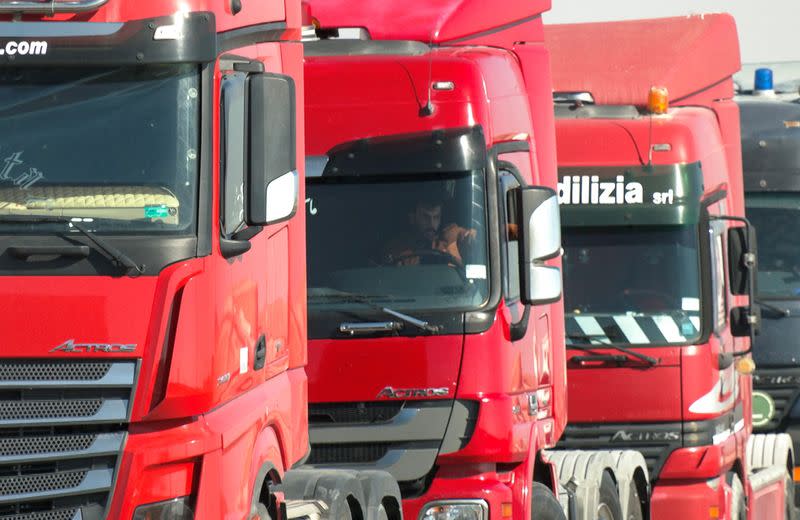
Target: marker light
x: 658, y: 100
x: 764, y: 80
x: 745, y: 366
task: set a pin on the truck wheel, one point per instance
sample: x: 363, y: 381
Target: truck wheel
x: 738, y: 508
x: 544, y: 505
x: 634, y: 504
x: 608, y: 507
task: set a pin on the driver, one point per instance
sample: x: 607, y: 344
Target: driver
x: 425, y: 233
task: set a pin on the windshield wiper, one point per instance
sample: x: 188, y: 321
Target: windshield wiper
x: 782, y: 313
x: 363, y: 299
x: 586, y: 348
x: 119, y: 258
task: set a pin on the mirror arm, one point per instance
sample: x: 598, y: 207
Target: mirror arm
x: 231, y: 248
x: 518, y: 330
x: 239, y: 243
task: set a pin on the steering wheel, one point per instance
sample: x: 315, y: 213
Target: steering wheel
x: 648, y: 300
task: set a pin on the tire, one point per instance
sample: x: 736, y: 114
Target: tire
x: 544, y: 505
x: 634, y: 503
x: 738, y: 507
x: 608, y: 507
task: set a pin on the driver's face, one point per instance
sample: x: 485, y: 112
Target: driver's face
x: 427, y: 220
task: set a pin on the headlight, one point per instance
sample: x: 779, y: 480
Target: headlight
x: 175, y: 509
x: 456, y: 510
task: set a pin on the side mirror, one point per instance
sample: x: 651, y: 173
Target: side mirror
x: 741, y: 258
x: 745, y: 321
x: 540, y: 239
x: 272, y: 180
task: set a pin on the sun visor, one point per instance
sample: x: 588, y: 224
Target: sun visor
x: 447, y: 151
x: 641, y: 196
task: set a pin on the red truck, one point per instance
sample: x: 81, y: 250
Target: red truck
x: 658, y: 267
x: 435, y: 327
x: 151, y: 367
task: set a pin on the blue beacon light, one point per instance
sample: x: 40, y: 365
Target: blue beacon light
x: 763, y: 82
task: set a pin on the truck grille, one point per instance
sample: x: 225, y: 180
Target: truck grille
x: 62, y: 514
x: 62, y: 427
x: 400, y: 437
x: 353, y: 413
x: 783, y: 386
x: 624, y: 437
x: 358, y: 453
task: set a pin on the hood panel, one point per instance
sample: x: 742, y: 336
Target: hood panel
x: 38, y: 314
x: 361, y: 369
x: 625, y: 394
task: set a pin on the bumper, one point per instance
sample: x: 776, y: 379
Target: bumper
x: 689, y: 500
x: 480, y: 486
x: 216, y: 457
x: 161, y: 465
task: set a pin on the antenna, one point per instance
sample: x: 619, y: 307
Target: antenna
x: 427, y: 110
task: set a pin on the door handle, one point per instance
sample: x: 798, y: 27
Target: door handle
x: 261, y: 353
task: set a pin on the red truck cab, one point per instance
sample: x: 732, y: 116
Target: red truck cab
x: 150, y: 368
x: 424, y: 359
x: 656, y: 266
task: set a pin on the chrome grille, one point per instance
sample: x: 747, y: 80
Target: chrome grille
x: 62, y: 428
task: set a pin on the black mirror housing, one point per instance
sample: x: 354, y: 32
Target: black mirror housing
x: 742, y: 258
x: 272, y: 182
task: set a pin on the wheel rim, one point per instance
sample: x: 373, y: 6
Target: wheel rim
x: 604, y: 512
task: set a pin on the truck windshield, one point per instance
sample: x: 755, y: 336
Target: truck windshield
x: 776, y: 217
x: 632, y: 285
x: 116, y: 147
x: 415, y: 242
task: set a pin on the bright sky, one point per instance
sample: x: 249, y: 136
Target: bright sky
x: 767, y: 28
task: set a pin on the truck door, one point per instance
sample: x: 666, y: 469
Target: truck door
x: 257, y: 319
x: 533, y: 363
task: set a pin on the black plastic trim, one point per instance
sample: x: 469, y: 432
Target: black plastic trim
x: 511, y: 147
x: 494, y: 30
x: 449, y: 150
x: 128, y: 43
x: 244, y: 36
x: 154, y: 251
x: 67, y: 251
x: 320, y: 48
x: 204, y: 184
x: 478, y: 321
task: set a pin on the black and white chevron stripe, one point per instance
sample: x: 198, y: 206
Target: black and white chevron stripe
x: 634, y: 330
